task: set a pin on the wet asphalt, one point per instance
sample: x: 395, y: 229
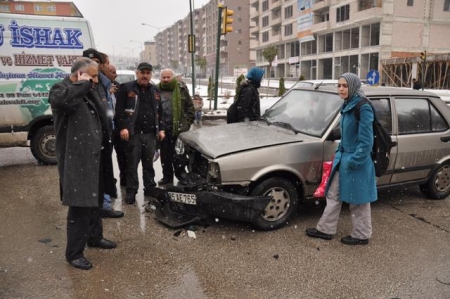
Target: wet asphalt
x: 407, y: 257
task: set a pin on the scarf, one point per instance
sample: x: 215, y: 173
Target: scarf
x: 174, y: 87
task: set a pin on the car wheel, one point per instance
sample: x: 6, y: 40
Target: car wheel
x: 438, y: 187
x: 282, y: 206
x: 43, y: 145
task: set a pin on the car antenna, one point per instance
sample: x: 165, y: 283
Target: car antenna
x: 318, y: 85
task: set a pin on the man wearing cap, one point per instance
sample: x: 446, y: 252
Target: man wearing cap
x: 103, y: 88
x: 139, y: 121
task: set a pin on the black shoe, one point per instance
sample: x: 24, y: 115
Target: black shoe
x: 312, y: 232
x: 123, y: 183
x: 110, y: 213
x: 131, y: 198
x: 165, y: 181
x: 152, y: 183
x: 349, y: 240
x: 103, y: 243
x: 81, y: 263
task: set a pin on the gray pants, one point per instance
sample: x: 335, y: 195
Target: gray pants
x: 361, y: 216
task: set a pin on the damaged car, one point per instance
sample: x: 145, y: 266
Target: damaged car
x: 260, y: 171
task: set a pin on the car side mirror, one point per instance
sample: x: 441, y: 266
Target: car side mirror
x: 335, y: 134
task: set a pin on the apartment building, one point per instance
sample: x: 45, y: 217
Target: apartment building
x: 322, y: 39
x: 64, y: 9
x: 149, y: 53
x: 172, y: 42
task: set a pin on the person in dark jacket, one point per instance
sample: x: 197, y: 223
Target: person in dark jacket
x: 81, y: 128
x: 178, y: 116
x: 140, y: 123
x: 248, y: 106
x: 352, y: 179
x: 103, y: 88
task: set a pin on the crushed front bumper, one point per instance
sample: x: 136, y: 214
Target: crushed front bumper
x: 207, y: 204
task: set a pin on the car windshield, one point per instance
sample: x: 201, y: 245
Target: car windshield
x: 306, y: 111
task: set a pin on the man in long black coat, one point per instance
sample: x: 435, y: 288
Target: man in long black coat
x: 82, y: 139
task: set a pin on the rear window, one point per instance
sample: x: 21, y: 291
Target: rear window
x: 122, y: 78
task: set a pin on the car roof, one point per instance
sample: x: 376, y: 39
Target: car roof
x: 379, y: 90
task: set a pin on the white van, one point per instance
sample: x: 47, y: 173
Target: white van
x: 35, y: 52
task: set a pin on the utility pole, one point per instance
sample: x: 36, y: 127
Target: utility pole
x: 192, y: 41
x: 222, y: 28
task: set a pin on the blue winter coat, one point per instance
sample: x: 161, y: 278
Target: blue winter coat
x: 357, y: 181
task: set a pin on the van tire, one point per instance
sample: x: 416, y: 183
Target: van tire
x: 438, y: 186
x: 43, y: 145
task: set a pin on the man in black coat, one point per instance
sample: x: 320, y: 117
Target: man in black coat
x: 140, y: 124
x: 82, y: 136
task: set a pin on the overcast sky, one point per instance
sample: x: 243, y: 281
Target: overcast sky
x: 115, y: 23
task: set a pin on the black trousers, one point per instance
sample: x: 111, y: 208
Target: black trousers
x: 120, y: 146
x: 141, y: 147
x: 169, y: 163
x: 83, y: 225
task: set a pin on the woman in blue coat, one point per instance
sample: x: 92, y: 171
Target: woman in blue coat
x: 352, y: 179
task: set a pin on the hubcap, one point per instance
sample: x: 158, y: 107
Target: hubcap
x: 278, y: 206
x: 48, y: 146
x: 442, y: 182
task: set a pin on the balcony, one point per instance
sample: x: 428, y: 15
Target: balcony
x: 254, y: 2
x: 316, y: 28
x: 368, y: 14
x: 318, y: 5
x: 275, y: 5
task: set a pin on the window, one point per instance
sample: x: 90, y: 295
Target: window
x: 370, y: 35
x: 51, y: 8
x: 4, y: 8
x: 326, y: 43
x: 265, y: 6
x: 383, y: 109
x: 288, y: 30
x: 446, y: 5
x: 265, y: 36
x: 418, y: 116
x: 288, y: 12
x: 367, y: 4
x: 410, y: 2
x: 19, y: 7
x: 38, y: 8
x: 265, y: 21
x: 343, y: 13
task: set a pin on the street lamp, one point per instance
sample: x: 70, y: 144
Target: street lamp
x: 156, y: 27
x: 132, y: 54
x: 140, y: 43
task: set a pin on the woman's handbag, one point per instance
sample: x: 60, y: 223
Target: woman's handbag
x: 326, y: 170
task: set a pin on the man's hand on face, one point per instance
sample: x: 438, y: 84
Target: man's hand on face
x: 84, y: 77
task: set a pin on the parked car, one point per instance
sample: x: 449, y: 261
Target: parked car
x: 125, y: 76
x: 259, y: 171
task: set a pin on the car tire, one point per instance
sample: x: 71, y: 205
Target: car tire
x: 281, y: 208
x: 43, y: 145
x: 438, y: 186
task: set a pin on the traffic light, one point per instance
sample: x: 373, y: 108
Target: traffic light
x: 227, y: 20
x: 191, y: 43
x: 423, y: 56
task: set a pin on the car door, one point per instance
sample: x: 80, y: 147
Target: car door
x: 420, y: 128
x: 382, y: 106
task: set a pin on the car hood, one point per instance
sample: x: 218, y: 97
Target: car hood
x: 231, y: 138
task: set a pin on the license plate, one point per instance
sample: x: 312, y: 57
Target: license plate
x: 190, y: 199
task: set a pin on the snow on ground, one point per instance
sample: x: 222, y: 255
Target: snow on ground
x: 222, y: 103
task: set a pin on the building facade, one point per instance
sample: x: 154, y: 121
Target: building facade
x: 322, y: 39
x: 64, y: 9
x: 172, y: 42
